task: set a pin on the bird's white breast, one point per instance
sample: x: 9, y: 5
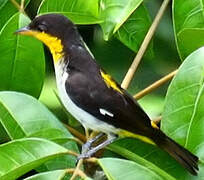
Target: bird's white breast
x: 86, y: 119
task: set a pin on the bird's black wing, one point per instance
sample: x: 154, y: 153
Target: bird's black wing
x: 98, y: 94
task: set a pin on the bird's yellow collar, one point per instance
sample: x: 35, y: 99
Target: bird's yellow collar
x: 53, y: 43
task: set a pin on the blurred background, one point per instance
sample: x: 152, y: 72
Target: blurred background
x: 116, y: 58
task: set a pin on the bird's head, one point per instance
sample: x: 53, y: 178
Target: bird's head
x: 54, y: 30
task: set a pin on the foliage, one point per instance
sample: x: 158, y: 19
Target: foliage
x: 33, y: 138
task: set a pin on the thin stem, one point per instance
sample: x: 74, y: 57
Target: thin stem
x: 72, y: 153
x: 22, y: 5
x: 155, y: 85
x: 77, y: 169
x: 80, y: 172
x: 16, y: 4
x: 19, y: 7
x: 76, y: 133
x: 145, y: 43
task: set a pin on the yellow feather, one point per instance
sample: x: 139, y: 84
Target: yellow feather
x: 124, y: 133
x: 110, y: 83
x: 53, y: 43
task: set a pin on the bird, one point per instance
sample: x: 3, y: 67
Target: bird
x: 93, y: 97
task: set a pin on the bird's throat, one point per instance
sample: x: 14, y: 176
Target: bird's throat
x: 52, y: 42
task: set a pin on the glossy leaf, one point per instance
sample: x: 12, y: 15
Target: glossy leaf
x: 137, y: 151
x: 183, y: 117
x: 22, y: 65
x: 80, y: 11
x: 188, y: 25
x: 7, y: 10
x: 56, y: 175
x: 124, y: 169
x: 115, y: 13
x: 20, y: 156
x: 23, y: 116
x: 133, y: 31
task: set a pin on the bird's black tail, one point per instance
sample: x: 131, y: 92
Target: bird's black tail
x: 182, y: 155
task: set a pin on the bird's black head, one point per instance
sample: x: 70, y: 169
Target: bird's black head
x: 54, y: 30
x: 55, y: 25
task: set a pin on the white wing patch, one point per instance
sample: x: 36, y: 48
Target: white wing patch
x: 104, y: 112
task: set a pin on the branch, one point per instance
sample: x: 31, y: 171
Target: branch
x: 79, y: 172
x: 18, y: 6
x: 145, y: 43
x: 155, y: 85
x: 77, y: 169
x: 76, y: 133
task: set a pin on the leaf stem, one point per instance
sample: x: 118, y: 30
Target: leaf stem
x: 145, y: 43
x: 77, y: 170
x: 19, y: 7
x: 76, y: 133
x: 155, y: 85
x: 22, y: 5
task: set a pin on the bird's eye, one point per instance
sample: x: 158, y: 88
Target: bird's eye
x: 42, y: 27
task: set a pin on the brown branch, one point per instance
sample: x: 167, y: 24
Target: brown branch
x: 22, y: 5
x: 72, y: 153
x: 77, y: 169
x: 18, y: 6
x: 76, y: 133
x: 145, y: 43
x: 155, y: 85
x: 79, y: 172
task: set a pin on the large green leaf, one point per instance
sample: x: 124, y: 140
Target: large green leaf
x: 7, y: 10
x: 115, y: 13
x: 188, y: 19
x: 133, y: 31
x: 183, y: 116
x: 130, y: 148
x: 23, y: 116
x: 117, y: 169
x: 80, y: 11
x: 20, y: 156
x: 22, y: 65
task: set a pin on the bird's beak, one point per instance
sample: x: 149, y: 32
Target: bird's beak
x: 24, y: 31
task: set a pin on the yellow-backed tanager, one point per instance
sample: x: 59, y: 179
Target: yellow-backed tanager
x: 92, y: 96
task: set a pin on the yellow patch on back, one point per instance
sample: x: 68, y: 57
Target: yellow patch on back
x: 154, y: 125
x: 53, y: 43
x: 110, y: 82
x: 124, y: 133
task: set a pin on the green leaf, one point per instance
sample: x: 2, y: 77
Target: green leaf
x: 56, y: 175
x: 115, y: 13
x: 133, y: 31
x: 22, y: 60
x: 23, y: 116
x: 188, y: 19
x: 20, y: 156
x: 116, y: 169
x: 80, y: 11
x: 130, y: 148
x: 183, y: 116
x: 7, y: 10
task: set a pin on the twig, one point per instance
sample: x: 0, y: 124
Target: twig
x: 77, y: 169
x: 155, y: 85
x: 19, y: 7
x: 76, y: 133
x: 72, y: 153
x: 147, y: 39
x: 22, y: 5
x: 79, y: 172
x: 16, y: 4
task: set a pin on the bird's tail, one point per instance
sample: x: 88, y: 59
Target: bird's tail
x: 182, y: 155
